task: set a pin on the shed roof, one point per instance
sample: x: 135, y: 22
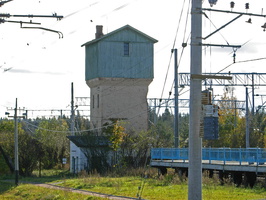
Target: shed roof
x: 86, y: 141
x: 117, y: 30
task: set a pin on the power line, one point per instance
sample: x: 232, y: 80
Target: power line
x: 179, y: 22
x: 243, y: 61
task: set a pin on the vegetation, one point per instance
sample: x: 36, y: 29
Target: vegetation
x: 132, y: 184
x: 3, y: 166
x: 32, y: 192
x: 51, y: 134
x: 232, y: 125
x: 42, y: 144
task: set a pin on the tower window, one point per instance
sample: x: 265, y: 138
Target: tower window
x: 126, y: 48
x: 98, y: 100
x: 93, y: 101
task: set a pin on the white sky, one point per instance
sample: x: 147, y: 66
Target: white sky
x: 43, y: 66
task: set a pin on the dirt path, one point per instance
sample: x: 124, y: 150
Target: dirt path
x: 51, y: 186
x: 85, y: 192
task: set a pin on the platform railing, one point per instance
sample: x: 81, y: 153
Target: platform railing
x: 249, y: 155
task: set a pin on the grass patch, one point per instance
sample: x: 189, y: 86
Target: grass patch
x: 31, y: 192
x: 5, y: 186
x: 168, y: 187
x: 153, y: 187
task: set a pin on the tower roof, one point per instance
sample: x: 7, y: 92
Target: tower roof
x: 117, y: 30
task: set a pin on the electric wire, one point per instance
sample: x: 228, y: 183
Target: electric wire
x: 216, y: 28
x: 132, y: 67
x: 87, y: 130
x: 141, y: 187
x: 118, y: 83
x: 177, y: 30
x: 66, y: 131
x: 243, y: 61
x: 129, y: 69
x: 184, y: 44
x: 73, y: 14
x: 179, y: 63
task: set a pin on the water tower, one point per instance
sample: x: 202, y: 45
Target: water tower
x: 118, y: 70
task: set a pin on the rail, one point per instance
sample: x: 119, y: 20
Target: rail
x: 226, y: 155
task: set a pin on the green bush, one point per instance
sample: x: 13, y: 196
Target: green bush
x: 3, y: 166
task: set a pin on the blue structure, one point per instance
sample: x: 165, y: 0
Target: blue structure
x: 123, y: 53
x: 236, y: 162
x: 251, y: 155
x: 211, y: 128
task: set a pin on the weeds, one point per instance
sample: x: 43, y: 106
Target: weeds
x: 143, y: 182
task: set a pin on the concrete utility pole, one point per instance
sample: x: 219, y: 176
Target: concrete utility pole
x: 73, y: 147
x: 15, y: 116
x: 176, y: 102
x: 195, y: 142
x: 16, y: 143
x: 72, y: 125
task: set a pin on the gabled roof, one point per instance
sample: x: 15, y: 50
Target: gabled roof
x: 120, y: 29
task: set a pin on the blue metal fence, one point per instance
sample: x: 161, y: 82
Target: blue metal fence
x: 250, y: 155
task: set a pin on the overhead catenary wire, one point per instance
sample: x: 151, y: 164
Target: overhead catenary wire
x: 184, y: 43
x: 119, y: 9
x: 179, y: 22
x: 70, y: 15
x: 243, y: 61
x: 78, y: 131
x: 226, y: 67
x: 177, y: 30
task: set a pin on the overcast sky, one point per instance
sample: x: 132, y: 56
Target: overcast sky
x: 37, y: 67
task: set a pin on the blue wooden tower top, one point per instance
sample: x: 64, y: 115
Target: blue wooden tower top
x: 123, y: 53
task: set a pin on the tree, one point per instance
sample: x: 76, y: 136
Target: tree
x: 183, y: 130
x: 115, y: 132
x: 134, y: 150
x: 7, y: 136
x: 29, y: 148
x: 52, y: 134
x: 257, y: 136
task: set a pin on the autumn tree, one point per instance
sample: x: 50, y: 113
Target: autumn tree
x: 115, y: 132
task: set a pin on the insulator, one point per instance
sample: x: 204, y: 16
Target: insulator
x: 247, y: 6
x: 264, y: 27
x: 249, y: 21
x: 212, y: 2
x: 234, y: 57
x: 232, y: 4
